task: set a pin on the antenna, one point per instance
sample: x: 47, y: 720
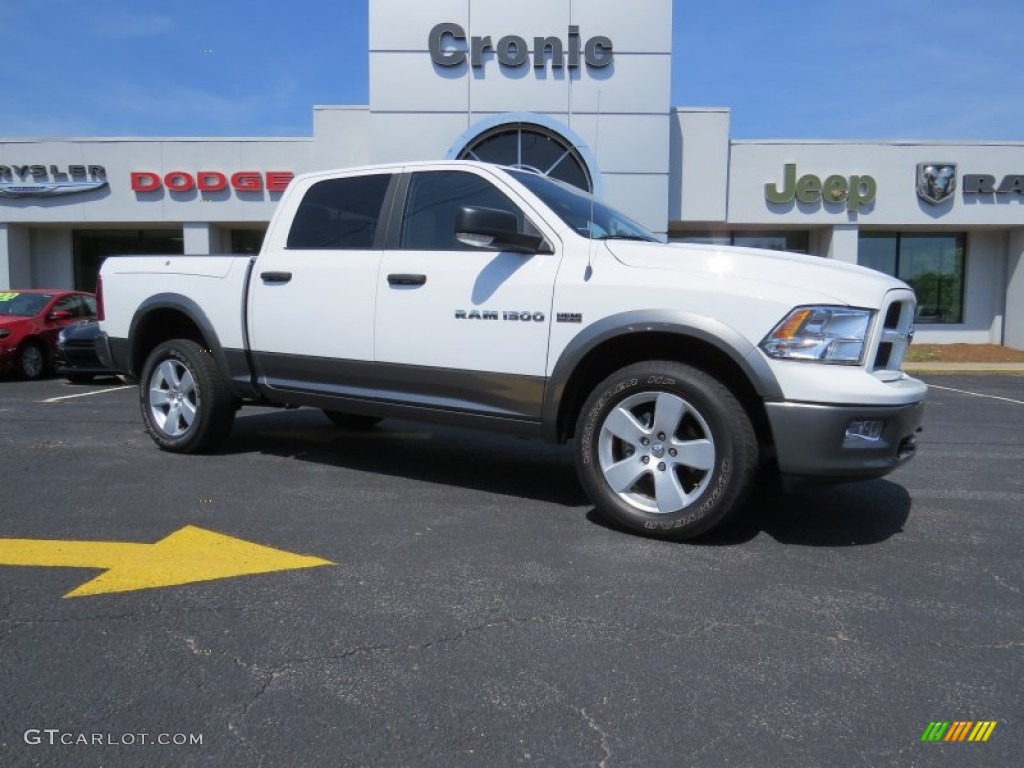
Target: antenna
x: 597, y: 149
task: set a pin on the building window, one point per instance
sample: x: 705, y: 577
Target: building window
x: 92, y: 246
x: 796, y: 241
x: 533, y: 148
x: 247, y: 241
x: 931, y: 263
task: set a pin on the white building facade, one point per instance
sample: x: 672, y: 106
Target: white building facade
x: 580, y: 92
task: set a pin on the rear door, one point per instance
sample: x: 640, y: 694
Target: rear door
x: 312, y: 294
x: 459, y: 327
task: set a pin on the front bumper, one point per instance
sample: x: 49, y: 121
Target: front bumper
x: 811, y: 445
x: 65, y: 367
x: 79, y: 357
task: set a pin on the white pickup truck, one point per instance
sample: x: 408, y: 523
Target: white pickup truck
x: 480, y: 296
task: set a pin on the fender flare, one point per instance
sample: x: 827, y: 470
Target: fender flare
x: 193, y: 312
x: 715, y: 333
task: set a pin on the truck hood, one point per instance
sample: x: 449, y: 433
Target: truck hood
x: 807, y: 275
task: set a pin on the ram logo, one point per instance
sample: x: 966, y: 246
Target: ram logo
x: 936, y: 182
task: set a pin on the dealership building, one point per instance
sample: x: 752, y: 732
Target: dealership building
x: 580, y: 92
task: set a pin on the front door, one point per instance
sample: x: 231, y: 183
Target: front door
x: 458, y: 327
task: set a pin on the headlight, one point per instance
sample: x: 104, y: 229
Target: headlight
x: 62, y: 337
x: 820, y: 334
x: 4, y: 333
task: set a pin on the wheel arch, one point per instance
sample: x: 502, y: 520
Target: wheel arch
x: 34, y: 338
x: 166, y: 316
x: 631, y: 337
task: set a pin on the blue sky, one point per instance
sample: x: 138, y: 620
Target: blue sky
x: 873, y: 69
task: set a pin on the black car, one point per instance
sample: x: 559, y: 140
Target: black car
x: 75, y: 357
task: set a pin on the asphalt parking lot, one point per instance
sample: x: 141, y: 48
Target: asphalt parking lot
x: 474, y: 610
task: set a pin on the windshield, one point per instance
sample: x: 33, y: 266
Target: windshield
x: 586, y: 215
x: 23, y: 304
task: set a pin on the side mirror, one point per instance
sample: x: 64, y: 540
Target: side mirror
x: 60, y: 314
x: 499, y: 230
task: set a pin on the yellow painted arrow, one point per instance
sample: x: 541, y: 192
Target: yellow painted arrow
x: 187, y: 555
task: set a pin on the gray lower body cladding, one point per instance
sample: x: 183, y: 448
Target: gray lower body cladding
x: 811, y: 441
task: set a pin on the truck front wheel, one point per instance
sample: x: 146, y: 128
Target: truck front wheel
x: 665, y: 450
x: 186, y: 405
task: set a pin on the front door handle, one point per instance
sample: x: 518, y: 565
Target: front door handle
x: 407, y: 279
x: 276, y: 277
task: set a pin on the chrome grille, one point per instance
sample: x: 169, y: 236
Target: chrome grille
x: 892, y: 339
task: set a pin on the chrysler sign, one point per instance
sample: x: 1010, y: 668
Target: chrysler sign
x: 50, y: 180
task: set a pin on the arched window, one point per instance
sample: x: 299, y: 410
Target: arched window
x: 532, y: 147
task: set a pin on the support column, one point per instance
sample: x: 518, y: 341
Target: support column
x: 840, y: 243
x: 53, y: 261
x: 199, y: 238
x: 15, y: 266
x: 1013, y: 323
x: 5, y: 259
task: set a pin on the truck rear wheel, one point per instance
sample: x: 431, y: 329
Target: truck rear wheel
x: 665, y: 450
x: 186, y: 405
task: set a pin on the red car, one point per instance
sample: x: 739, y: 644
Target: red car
x: 30, y: 320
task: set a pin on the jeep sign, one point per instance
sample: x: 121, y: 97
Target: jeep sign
x: 854, y: 191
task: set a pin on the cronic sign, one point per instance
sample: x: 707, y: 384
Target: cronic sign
x: 450, y: 46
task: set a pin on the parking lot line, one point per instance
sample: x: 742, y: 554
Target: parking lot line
x: 977, y: 394
x: 86, y: 394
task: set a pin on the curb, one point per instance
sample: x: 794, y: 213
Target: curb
x: 938, y: 367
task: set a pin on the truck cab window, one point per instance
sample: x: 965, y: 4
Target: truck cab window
x: 339, y: 214
x: 435, y: 198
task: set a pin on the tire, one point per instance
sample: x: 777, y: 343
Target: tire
x: 31, y: 361
x: 663, y: 449
x: 352, y: 421
x: 79, y: 378
x: 186, y: 405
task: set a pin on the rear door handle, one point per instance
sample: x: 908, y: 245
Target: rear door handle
x: 407, y: 279
x: 276, y: 277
